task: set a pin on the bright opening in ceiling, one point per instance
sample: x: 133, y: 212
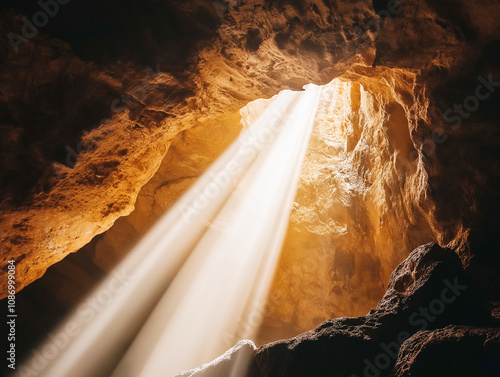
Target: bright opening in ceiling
x: 294, y: 224
x: 209, y: 261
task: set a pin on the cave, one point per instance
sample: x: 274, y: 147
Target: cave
x: 381, y: 256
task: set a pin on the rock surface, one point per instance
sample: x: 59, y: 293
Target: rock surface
x: 101, y: 110
x: 207, y: 62
x: 451, y: 351
x: 430, y: 315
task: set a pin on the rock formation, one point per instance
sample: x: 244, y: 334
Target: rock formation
x: 109, y: 112
x: 432, y: 321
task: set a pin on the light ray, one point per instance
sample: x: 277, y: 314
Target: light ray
x: 189, y: 285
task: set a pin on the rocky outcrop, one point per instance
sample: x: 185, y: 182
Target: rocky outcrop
x: 460, y: 351
x: 431, y: 311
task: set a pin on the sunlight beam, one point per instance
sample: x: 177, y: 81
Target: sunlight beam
x: 189, y: 284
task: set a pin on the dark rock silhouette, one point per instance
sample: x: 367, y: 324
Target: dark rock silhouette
x: 430, y: 312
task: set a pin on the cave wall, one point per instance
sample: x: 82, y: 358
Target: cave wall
x: 115, y: 106
x: 352, y: 203
x: 66, y: 90
x: 356, y: 213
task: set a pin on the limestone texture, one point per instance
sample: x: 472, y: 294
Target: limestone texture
x: 110, y: 110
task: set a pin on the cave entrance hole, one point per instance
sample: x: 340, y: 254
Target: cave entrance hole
x: 204, y: 271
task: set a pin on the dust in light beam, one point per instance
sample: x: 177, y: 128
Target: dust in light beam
x: 205, y: 265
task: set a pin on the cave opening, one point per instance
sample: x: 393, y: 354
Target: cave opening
x: 336, y: 244
x: 396, y: 199
x: 216, y: 247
